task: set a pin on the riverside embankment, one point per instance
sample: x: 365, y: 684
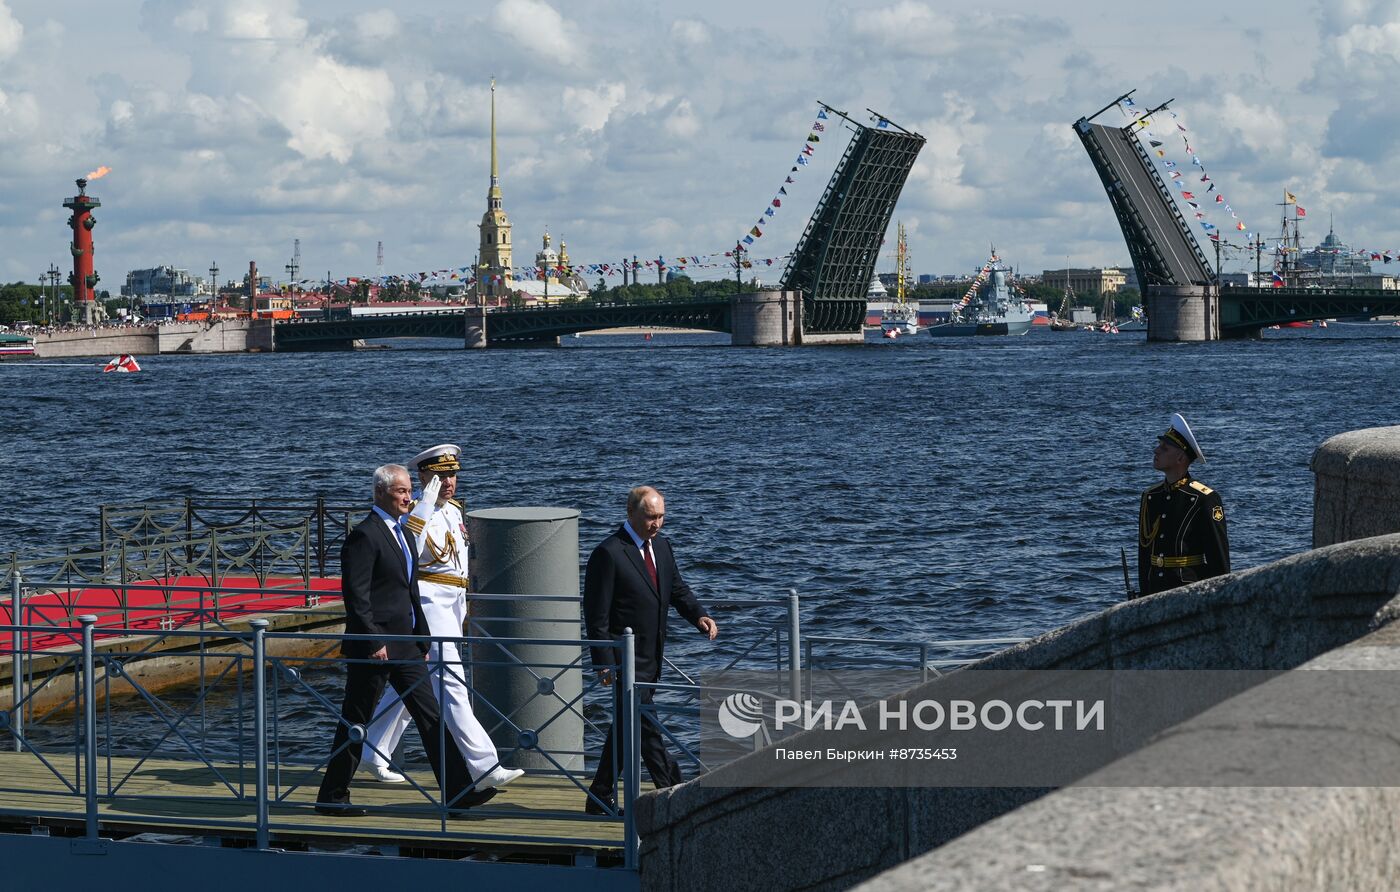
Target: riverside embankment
x: 228, y: 336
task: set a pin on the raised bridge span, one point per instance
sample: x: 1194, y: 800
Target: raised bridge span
x: 1181, y: 292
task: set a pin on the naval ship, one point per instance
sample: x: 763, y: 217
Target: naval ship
x: 992, y: 306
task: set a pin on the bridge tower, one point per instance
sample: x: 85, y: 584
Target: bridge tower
x: 495, y: 227
x: 1179, y: 289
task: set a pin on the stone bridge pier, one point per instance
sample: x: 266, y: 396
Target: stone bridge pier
x: 766, y: 319
x: 1183, y: 313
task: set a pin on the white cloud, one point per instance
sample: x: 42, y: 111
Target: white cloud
x: 11, y: 32
x: 262, y: 20
x: 690, y: 32
x: 121, y: 113
x: 192, y: 21
x: 1367, y: 41
x: 591, y: 108
x: 19, y: 116
x: 682, y: 123
x: 381, y: 24
x: 906, y: 23
x: 1261, y: 127
x: 329, y: 108
x: 539, y: 30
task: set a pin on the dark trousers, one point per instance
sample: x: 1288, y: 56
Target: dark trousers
x: 663, y: 769
x: 364, y: 683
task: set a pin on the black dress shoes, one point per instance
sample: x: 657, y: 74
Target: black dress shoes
x: 471, y: 800
x: 340, y: 809
x: 591, y: 807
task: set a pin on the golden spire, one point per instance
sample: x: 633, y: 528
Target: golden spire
x: 494, y: 197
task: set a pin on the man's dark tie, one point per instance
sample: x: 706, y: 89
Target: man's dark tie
x: 651, y: 564
x: 408, y: 568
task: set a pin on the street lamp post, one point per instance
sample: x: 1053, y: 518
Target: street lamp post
x: 55, y: 299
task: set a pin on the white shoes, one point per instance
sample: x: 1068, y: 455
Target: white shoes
x: 384, y: 774
x: 499, y: 777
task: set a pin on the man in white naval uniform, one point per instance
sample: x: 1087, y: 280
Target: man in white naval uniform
x: 440, y: 537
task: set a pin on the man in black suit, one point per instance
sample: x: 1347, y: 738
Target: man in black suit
x: 381, y: 598
x: 631, y: 582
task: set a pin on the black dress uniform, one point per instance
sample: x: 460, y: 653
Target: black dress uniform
x: 1181, y: 536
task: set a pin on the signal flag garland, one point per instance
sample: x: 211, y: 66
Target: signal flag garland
x: 804, y: 158
x: 1156, y: 142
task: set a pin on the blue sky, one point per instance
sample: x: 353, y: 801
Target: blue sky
x: 235, y: 126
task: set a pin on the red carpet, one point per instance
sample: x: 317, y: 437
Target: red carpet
x: 151, y: 605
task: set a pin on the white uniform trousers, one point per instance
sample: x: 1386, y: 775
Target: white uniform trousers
x: 444, y: 608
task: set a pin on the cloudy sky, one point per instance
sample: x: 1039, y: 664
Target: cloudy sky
x: 235, y: 126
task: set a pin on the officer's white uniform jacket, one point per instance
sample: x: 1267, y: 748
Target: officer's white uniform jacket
x: 440, y: 538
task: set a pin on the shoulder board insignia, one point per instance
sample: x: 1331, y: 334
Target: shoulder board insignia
x: 454, y: 502
x: 1201, y: 488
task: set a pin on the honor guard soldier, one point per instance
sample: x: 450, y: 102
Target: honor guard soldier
x: 1181, y: 522
x: 438, y: 530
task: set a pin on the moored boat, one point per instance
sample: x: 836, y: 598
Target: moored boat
x: 899, y: 319
x: 14, y: 346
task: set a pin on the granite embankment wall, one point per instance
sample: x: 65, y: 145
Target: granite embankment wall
x: 1357, y: 489
x: 1324, y: 608
x: 230, y: 336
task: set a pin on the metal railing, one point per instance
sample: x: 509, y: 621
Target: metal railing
x: 963, y: 651
x: 243, y: 686
x: 249, y: 758
x: 104, y: 731
x: 190, y: 519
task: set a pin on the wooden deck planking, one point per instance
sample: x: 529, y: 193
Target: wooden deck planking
x: 189, y: 797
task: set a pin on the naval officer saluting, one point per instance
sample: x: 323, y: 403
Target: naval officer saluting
x: 438, y: 535
x: 1181, y: 522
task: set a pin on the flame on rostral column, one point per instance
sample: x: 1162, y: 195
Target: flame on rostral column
x: 99, y: 173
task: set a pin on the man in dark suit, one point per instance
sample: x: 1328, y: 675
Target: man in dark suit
x: 381, y: 598
x: 631, y: 582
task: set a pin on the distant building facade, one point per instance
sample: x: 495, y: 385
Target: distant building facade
x: 1086, y: 281
x: 160, y: 281
x: 1332, y: 258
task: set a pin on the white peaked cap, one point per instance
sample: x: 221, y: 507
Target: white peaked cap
x: 439, y: 452
x: 1180, y: 434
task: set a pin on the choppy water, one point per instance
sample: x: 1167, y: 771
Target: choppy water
x: 910, y: 489
x: 913, y: 488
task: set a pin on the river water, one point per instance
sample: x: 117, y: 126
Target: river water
x: 914, y: 489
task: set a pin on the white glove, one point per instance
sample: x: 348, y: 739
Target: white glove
x: 428, y: 503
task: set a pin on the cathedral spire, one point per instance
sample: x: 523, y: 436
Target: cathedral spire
x: 495, y: 251
x: 494, y: 197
